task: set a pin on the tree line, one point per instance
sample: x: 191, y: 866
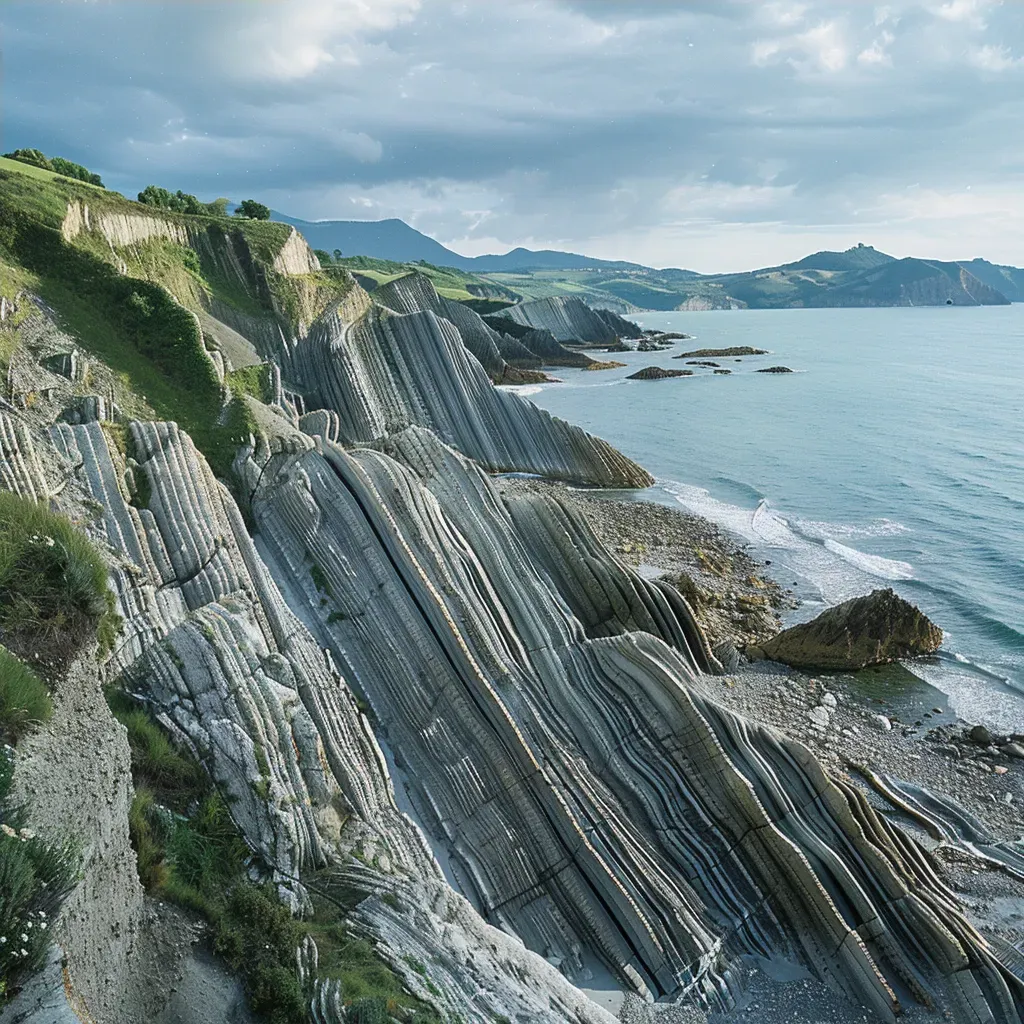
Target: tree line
x: 55, y: 163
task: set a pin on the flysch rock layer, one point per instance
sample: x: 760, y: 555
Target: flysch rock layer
x: 211, y: 644
x: 570, y: 320
x: 382, y: 372
x: 590, y: 795
x: 415, y: 293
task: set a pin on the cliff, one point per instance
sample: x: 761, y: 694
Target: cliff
x: 450, y: 730
x: 570, y: 320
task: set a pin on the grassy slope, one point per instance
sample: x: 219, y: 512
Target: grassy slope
x: 40, y: 173
x: 159, y: 353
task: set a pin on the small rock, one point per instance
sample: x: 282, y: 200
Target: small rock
x: 980, y: 735
x: 819, y: 716
x: 881, y: 722
x: 829, y: 700
x: 1000, y: 770
x: 1013, y: 750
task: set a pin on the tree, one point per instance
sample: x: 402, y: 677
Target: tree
x: 337, y: 255
x: 154, y: 195
x: 72, y: 170
x: 253, y: 210
x: 30, y: 156
x: 322, y: 255
x: 218, y: 208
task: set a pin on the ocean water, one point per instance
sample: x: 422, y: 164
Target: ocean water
x: 893, y: 456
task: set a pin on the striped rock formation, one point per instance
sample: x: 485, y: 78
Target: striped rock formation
x: 570, y: 320
x: 211, y: 644
x: 587, y: 791
x: 382, y: 372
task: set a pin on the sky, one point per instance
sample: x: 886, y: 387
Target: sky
x: 716, y: 135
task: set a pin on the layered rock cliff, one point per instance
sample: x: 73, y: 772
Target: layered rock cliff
x: 459, y: 706
x: 571, y: 320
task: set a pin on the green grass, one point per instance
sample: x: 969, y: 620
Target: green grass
x: 36, y: 876
x: 254, y: 381
x: 24, y: 699
x: 53, y: 586
x: 39, y: 173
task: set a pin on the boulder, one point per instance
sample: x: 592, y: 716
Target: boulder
x: 871, y: 630
x: 657, y: 373
x: 774, y: 369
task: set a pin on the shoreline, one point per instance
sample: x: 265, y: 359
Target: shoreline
x: 875, y: 730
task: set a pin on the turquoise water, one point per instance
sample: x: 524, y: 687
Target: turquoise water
x: 894, y: 456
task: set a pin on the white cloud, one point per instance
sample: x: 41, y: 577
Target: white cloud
x: 878, y: 52
x: 820, y: 48
x: 970, y: 12
x: 293, y: 39
x: 994, y: 58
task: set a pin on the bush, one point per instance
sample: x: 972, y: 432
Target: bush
x: 24, y: 699
x: 181, y: 202
x: 253, y: 210
x: 36, y: 876
x: 53, y: 585
x: 256, y: 934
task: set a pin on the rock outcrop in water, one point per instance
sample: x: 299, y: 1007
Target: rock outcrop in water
x: 872, y: 630
x: 658, y: 373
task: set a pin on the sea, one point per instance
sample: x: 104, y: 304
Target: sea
x: 893, y: 456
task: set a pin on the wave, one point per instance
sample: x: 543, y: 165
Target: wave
x: 874, y: 565
x: 807, y: 549
x: 523, y: 390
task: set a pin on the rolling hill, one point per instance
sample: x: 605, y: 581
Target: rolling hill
x: 859, y: 276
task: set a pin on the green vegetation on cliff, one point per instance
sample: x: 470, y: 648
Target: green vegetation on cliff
x: 36, y: 876
x: 190, y: 852
x: 128, y: 280
x: 54, y: 596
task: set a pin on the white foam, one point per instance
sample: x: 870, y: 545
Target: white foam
x: 523, y: 390
x: 874, y: 565
x: 836, y: 571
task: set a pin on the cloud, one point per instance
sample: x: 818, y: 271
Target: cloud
x: 581, y: 124
x: 994, y: 58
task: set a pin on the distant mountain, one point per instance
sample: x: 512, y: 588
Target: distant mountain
x: 519, y: 260
x: 860, y: 257
x: 382, y: 239
x: 859, y: 276
x: 1008, y: 280
x: 395, y: 240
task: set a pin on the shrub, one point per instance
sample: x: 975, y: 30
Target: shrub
x: 253, y: 210
x: 24, y: 700
x: 256, y: 934
x: 36, y: 876
x: 53, y: 584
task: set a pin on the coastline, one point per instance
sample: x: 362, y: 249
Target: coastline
x: 837, y: 716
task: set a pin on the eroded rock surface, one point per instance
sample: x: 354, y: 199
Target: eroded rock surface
x: 871, y: 630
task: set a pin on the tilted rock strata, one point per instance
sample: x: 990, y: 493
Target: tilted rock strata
x: 212, y: 646
x: 382, y: 372
x: 588, y: 791
x: 571, y: 320
x: 872, y: 630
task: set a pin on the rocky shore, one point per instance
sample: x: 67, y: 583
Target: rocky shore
x: 955, y: 787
